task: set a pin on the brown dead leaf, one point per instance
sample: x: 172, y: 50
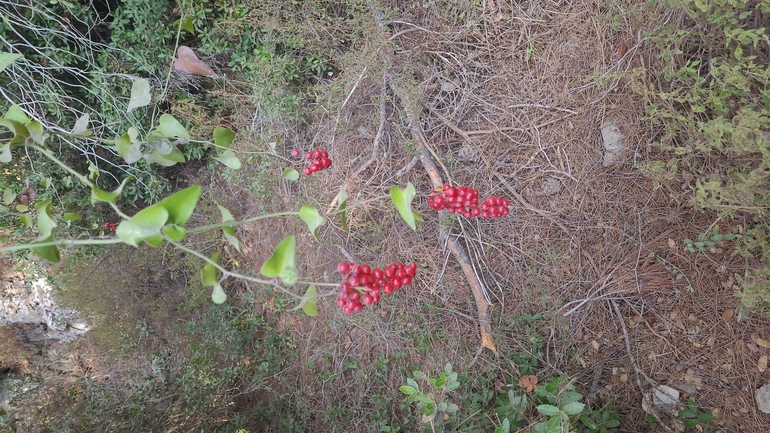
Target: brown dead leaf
x: 728, y: 282
x: 762, y: 363
x: 671, y: 244
x: 595, y: 344
x: 529, y: 383
x: 759, y: 341
x: 728, y: 314
x: 189, y: 63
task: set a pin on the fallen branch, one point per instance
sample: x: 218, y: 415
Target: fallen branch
x: 409, y: 104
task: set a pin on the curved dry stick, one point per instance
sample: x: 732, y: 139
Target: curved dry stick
x: 409, y: 104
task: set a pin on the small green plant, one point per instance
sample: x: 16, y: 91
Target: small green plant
x: 708, y: 240
x: 433, y: 404
x: 693, y: 417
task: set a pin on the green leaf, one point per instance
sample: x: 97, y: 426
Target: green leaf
x: 588, y: 422
x: 223, y: 137
x: 45, y: 182
x: 72, y: 217
x: 16, y: 114
x: 691, y: 423
x: 99, y: 195
x: 170, y: 127
x: 181, y: 205
x: 37, y: 132
x: 187, y: 25
x: 412, y: 383
x: 19, y: 130
x: 50, y: 253
x: 45, y: 222
x: 705, y: 417
x: 128, y: 149
x: 402, y: 199
x: 21, y: 208
x: 686, y: 414
x: 209, y: 273
x: 419, y: 375
x: 229, y: 159
x: 81, y: 126
x: 553, y: 425
x: 166, y: 160
x: 408, y: 390
x: 229, y: 231
x: 218, y: 295
x: 5, y: 153
x: 312, y: 218
x: 309, y: 302
x: 281, y: 264
x: 156, y: 140
x: 8, y: 196
x: 573, y: 408
x: 140, y: 95
x: 8, y: 58
x: 4, y: 209
x: 290, y: 174
x: 548, y: 409
x: 27, y: 220
x: 174, y: 232
x: 612, y: 424
x: 144, y: 226
x: 343, y: 204
x: 453, y: 408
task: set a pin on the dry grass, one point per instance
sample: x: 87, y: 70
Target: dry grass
x: 514, y: 106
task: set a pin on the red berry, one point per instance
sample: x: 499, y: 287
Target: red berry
x: 341, y: 302
x: 396, y: 283
x: 368, y: 300
x: 316, y: 154
x: 324, y: 154
x: 295, y: 153
x: 358, y: 308
x: 308, y: 171
x: 411, y: 270
x: 326, y: 162
x: 365, y: 269
x: 309, y: 155
x: 388, y: 272
x: 406, y: 281
x: 354, y: 296
x: 343, y: 267
x: 387, y: 289
x: 377, y: 273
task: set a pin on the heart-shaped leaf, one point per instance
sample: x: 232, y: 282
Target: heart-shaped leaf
x: 309, y: 302
x: 21, y: 208
x: 281, y: 264
x: 402, y: 199
x: 159, y: 142
x: 343, y: 204
x: 223, y: 137
x: 19, y: 130
x: 45, y: 222
x: 128, y: 149
x: 140, y: 95
x: 209, y: 273
x: 170, y: 127
x: 312, y: 218
x: 8, y: 196
x: 144, y: 226
x: 4, y: 209
x: 187, y: 24
x: 8, y: 58
x: 16, y: 114
x: 50, y: 252
x: 229, y: 231
x: 290, y: 174
x: 81, y: 126
x: 181, y: 205
x: 218, y: 295
x: 99, y: 195
x: 229, y: 159
x: 5, y: 153
x: 72, y: 217
x: 166, y: 160
x: 174, y: 232
x: 26, y: 220
x: 37, y: 132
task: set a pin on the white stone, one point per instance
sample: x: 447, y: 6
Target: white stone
x: 762, y: 396
x: 614, y: 143
x: 665, y: 398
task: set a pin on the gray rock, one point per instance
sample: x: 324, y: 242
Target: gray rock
x: 762, y: 396
x: 614, y: 143
x: 665, y: 398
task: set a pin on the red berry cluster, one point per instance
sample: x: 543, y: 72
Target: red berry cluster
x: 465, y: 201
x: 320, y: 160
x: 364, y: 284
x: 111, y: 226
x: 462, y: 201
x: 494, y: 207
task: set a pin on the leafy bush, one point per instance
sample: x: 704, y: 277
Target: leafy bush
x: 711, y: 105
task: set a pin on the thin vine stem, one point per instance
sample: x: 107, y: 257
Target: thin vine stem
x: 65, y: 242
x: 235, y: 223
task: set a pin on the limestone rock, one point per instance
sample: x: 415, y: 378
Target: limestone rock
x: 762, y: 396
x: 614, y: 143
